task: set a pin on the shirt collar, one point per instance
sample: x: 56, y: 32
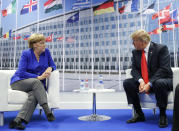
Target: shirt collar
x: 147, y: 48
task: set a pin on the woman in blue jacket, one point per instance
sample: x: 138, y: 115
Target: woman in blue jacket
x: 34, y: 67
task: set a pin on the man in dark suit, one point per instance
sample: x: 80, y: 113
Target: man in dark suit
x: 176, y: 110
x: 151, y: 72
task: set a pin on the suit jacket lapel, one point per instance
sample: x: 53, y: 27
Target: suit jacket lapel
x: 150, y: 54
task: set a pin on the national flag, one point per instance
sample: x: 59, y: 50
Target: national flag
x: 157, y: 30
x: 131, y: 6
x: 121, y: 9
x: 17, y: 37
x: 73, y: 18
x: 49, y: 38
x: 162, y: 13
x: 8, y: 34
x: 170, y: 27
x: 149, y: 9
x: 174, y: 21
x: 70, y: 39
x: 106, y: 7
x: 81, y: 4
x: 51, y: 5
x: 174, y: 18
x: 29, y: 7
x: 10, y: 9
x: 26, y: 37
x: 59, y: 38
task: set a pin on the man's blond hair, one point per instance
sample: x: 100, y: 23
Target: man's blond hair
x: 141, y: 35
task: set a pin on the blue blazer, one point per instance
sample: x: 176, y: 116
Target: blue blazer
x: 29, y: 67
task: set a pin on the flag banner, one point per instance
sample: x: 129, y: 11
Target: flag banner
x: 162, y: 13
x: 52, y: 5
x: 174, y: 17
x: 131, y: 6
x: 29, y: 7
x: 49, y: 38
x: 149, y: 9
x: 157, y: 30
x: 10, y: 9
x: 8, y: 34
x: 73, y: 18
x: 81, y: 4
x: 59, y: 38
x: 70, y: 39
x: 26, y: 37
x: 170, y: 27
x: 173, y: 23
x: 106, y: 7
x: 16, y: 37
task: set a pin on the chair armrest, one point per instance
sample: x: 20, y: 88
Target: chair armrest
x: 5, y: 76
x: 53, y: 89
x: 128, y: 73
x: 175, y: 78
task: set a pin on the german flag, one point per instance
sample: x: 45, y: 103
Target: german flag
x: 106, y: 7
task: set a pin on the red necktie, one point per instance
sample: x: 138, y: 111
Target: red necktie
x: 144, y: 69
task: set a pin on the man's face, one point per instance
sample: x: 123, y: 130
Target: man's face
x: 139, y: 45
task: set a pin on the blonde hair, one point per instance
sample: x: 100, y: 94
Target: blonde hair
x: 141, y: 35
x: 34, y: 38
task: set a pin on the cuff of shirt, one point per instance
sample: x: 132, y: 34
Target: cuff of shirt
x: 150, y: 84
x: 140, y: 80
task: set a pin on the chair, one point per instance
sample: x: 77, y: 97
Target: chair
x: 12, y: 100
x: 149, y: 101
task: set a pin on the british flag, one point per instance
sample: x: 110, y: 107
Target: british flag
x: 29, y: 7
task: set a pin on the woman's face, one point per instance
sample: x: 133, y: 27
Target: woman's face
x: 39, y: 46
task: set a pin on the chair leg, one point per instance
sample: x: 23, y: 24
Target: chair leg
x: 154, y: 111
x: 1, y: 118
x: 40, y: 112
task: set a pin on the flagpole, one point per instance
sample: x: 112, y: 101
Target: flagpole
x: 174, y: 44
x: 1, y: 32
x: 92, y: 55
x: 38, y: 10
x: 79, y: 63
x: 118, y: 44
x: 15, y: 35
x: 64, y: 45
x: 141, y: 16
x: 160, y: 40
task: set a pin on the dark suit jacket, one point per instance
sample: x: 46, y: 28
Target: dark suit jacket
x: 158, y: 63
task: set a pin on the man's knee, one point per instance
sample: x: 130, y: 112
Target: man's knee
x: 127, y: 84
x: 158, y: 83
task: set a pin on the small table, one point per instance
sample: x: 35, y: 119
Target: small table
x: 94, y: 116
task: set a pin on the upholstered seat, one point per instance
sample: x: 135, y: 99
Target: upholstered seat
x: 149, y: 101
x: 12, y: 100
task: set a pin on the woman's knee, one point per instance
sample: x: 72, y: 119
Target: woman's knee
x: 37, y: 83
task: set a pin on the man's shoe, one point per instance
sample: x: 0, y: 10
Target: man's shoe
x: 136, y: 118
x: 16, y: 125
x: 163, y: 122
x: 50, y: 117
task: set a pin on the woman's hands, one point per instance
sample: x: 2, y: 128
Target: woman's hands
x: 46, y: 74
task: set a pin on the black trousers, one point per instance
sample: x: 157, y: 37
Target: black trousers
x: 176, y: 110
x: 160, y: 87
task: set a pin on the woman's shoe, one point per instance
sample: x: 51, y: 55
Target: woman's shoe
x: 50, y: 117
x: 16, y: 125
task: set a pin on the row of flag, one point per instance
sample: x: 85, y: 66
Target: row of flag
x: 49, y: 38
x: 49, y: 6
x: 167, y: 20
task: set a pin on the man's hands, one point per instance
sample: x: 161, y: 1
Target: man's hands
x: 144, y: 87
x: 46, y: 74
